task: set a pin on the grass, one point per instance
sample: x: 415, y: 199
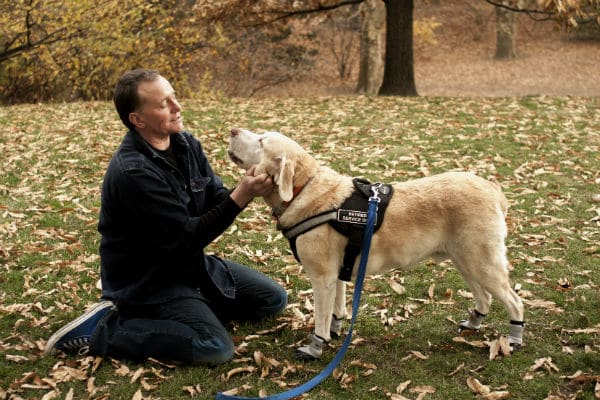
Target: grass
x: 543, y: 151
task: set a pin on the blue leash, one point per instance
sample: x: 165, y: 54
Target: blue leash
x: 360, y: 277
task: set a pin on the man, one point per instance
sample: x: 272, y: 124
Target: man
x: 161, y: 205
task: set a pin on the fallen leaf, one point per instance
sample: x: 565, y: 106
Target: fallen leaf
x: 475, y: 343
x: 238, y: 390
x: 477, y: 387
x: 240, y: 370
x: 402, y: 387
x: 496, y: 395
x: 499, y: 347
x: 419, y: 355
x: 457, y: 369
x: 396, y: 287
x: 545, y: 363
x: 138, y: 395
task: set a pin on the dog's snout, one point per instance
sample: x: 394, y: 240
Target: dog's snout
x: 235, y: 132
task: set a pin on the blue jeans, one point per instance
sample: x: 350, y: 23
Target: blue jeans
x: 188, y: 330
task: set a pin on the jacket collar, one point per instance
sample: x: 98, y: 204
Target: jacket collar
x: 177, y: 140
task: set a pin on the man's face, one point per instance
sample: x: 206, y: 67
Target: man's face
x: 160, y: 113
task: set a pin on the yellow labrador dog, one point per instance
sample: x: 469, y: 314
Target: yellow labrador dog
x: 454, y: 215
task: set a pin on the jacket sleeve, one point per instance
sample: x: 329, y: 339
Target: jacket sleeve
x: 216, y: 190
x: 164, y: 219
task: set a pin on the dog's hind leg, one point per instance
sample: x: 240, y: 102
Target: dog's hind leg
x: 483, y: 301
x: 492, y: 278
x: 339, y: 310
x: 514, y: 305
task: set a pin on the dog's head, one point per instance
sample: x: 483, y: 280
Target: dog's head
x: 274, y: 154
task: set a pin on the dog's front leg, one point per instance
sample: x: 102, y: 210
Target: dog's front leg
x: 339, y: 310
x: 324, y: 288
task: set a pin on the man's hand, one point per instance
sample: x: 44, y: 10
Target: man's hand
x: 251, y: 186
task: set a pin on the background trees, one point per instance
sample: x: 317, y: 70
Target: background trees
x: 63, y: 50
x: 66, y: 50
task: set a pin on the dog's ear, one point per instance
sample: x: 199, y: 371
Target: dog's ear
x: 285, y: 180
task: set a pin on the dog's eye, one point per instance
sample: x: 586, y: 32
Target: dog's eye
x: 260, y: 142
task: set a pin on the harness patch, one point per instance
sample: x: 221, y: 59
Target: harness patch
x: 353, y: 217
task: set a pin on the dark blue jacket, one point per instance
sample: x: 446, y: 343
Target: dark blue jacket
x: 156, y: 219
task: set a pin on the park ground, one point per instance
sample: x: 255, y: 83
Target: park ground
x: 551, y: 61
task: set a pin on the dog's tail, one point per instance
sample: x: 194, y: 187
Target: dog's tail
x: 502, y: 200
x: 504, y: 204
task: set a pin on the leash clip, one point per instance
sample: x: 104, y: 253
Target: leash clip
x: 375, y: 190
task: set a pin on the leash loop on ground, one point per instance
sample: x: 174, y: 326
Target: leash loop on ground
x: 360, y: 277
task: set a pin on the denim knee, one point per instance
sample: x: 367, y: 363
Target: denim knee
x: 212, y: 351
x: 277, y: 303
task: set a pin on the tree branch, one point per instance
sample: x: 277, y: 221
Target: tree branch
x: 284, y: 14
x: 517, y: 9
x: 48, y: 39
x: 530, y: 12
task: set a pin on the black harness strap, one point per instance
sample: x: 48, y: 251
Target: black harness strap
x: 349, y: 220
x: 351, y: 251
x: 308, y: 224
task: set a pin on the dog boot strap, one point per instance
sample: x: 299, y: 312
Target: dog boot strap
x: 515, y: 334
x: 313, y: 350
x: 474, y: 321
x: 336, y: 326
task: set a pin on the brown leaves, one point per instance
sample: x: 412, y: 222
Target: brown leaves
x: 62, y: 374
x: 265, y: 367
x: 499, y: 347
x: 420, y: 391
x: 484, y: 391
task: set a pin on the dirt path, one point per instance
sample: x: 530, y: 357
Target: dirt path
x: 549, y: 62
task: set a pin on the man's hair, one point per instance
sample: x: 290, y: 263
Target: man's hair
x: 126, y: 96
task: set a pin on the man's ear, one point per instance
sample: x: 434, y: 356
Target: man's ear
x: 285, y: 180
x: 137, y: 120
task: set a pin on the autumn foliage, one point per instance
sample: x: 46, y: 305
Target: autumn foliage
x: 68, y: 50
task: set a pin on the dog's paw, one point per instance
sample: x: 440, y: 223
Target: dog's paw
x: 466, y: 326
x: 472, y: 324
x: 467, y: 330
x: 305, y: 354
x: 515, y: 347
x: 335, y: 330
x: 312, y: 351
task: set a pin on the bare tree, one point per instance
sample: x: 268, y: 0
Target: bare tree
x: 372, y: 46
x: 505, y: 34
x: 399, y: 74
x: 342, y: 39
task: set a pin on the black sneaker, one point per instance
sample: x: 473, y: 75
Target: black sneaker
x: 75, y: 336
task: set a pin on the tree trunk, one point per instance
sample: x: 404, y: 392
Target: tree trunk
x: 372, y: 39
x: 505, y: 34
x: 399, y: 75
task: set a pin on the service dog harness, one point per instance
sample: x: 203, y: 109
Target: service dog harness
x: 349, y: 220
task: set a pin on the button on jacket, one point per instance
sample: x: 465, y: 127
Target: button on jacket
x: 155, y: 220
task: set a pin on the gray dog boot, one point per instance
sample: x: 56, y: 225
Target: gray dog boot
x: 335, y: 330
x: 314, y: 350
x: 515, y: 335
x: 473, y: 323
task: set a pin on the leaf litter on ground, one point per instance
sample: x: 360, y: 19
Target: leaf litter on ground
x: 51, y: 170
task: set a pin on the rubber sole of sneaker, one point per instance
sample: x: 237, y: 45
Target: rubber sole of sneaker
x: 50, y: 349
